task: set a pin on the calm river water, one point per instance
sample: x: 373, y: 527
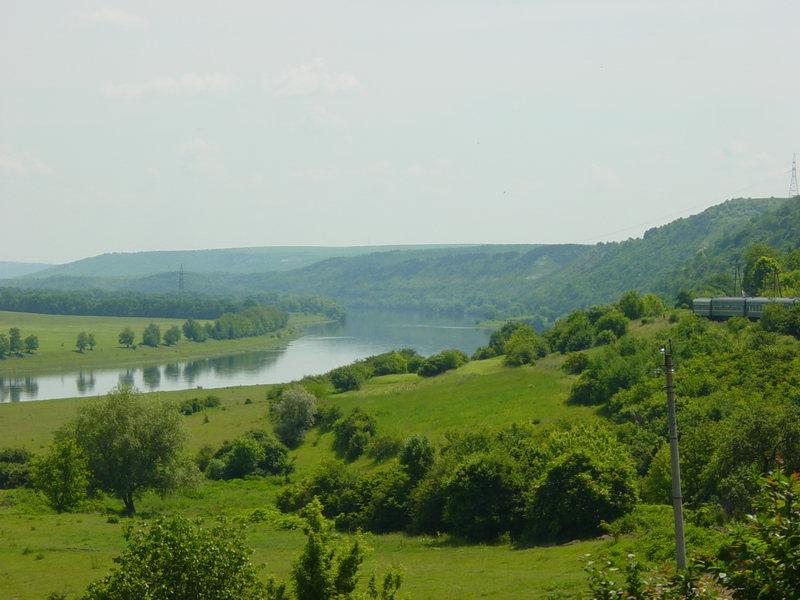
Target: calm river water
x: 323, y: 348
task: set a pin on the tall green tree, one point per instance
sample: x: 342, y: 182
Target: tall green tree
x: 133, y: 444
x: 126, y: 337
x: 31, y: 344
x: 151, y: 335
x: 62, y: 475
x: 177, y: 559
x: 82, y: 342
x: 172, y: 335
x: 5, y: 347
x: 15, y: 340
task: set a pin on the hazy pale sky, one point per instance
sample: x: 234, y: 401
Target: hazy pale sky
x: 176, y: 124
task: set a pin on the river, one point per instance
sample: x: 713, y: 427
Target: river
x: 324, y: 347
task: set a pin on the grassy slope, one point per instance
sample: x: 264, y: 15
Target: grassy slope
x: 57, y: 335
x: 78, y: 548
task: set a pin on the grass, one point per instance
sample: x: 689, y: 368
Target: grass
x: 57, y: 335
x: 78, y: 548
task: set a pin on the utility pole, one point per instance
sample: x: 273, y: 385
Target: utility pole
x: 677, y: 497
x: 180, y: 280
x: 794, y: 192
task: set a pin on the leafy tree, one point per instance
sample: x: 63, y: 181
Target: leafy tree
x: 575, y: 363
x: 483, y: 497
x: 31, y: 344
x: 388, y: 363
x: 760, y: 267
x: 523, y: 347
x: 5, y: 346
x: 243, y: 458
x: 15, y: 340
x: 613, y: 321
x: 293, y: 414
x: 172, y: 335
x: 445, y: 360
x: 573, y: 333
x: 352, y: 434
x: 132, y: 443
x: 91, y: 341
x: 151, y: 335
x: 683, y: 299
x: 62, y: 475
x: 126, y: 337
x: 194, y: 331
x: 762, y: 558
x: 653, y: 305
x: 15, y: 466
x: 417, y: 456
x: 632, y: 304
x: 174, y: 559
x: 82, y: 342
x: 347, y: 378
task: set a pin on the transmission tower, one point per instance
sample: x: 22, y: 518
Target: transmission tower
x: 180, y: 280
x: 793, y: 190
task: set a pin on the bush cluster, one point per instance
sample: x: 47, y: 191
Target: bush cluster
x: 14, y: 344
x: 446, y: 360
x: 547, y: 485
x: 350, y: 377
x: 258, y: 452
x: 15, y: 465
x: 193, y: 405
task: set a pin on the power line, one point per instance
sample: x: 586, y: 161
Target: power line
x: 793, y: 191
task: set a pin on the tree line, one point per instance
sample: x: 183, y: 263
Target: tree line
x: 137, y: 304
x: 14, y: 344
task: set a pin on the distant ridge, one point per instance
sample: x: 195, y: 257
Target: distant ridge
x: 9, y: 269
x: 484, y: 281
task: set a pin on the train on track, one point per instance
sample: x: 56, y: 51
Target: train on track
x: 731, y: 306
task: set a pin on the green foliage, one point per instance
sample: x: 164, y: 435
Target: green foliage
x: 571, y: 333
x: 417, y: 456
x: 15, y: 466
x: 588, y: 479
x: 5, y: 346
x: 613, y: 321
x: 255, y: 453
x: 347, y: 378
x: 762, y: 557
x: 384, y: 447
x: 132, y: 443
x: 82, y: 341
x: 390, y: 363
x: 194, y: 331
x: 575, y: 363
x: 172, y: 336
x: 194, y: 405
x: 248, y: 322
x: 15, y: 340
x: 293, y: 414
x: 151, y: 336
x: 437, y: 364
x: 483, y: 497
x: 126, y: 337
x: 352, y: 435
x: 62, y: 475
x: 523, y: 347
x: 175, y: 558
x: 632, y: 304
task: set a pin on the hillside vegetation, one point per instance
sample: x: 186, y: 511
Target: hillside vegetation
x: 539, y: 282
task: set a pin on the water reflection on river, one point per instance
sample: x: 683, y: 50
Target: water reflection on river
x: 324, y: 348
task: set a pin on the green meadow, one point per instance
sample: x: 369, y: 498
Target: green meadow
x: 43, y: 552
x: 57, y: 335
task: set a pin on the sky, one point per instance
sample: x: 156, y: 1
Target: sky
x: 193, y: 124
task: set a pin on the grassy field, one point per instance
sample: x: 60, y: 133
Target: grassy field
x: 57, y: 335
x: 44, y: 552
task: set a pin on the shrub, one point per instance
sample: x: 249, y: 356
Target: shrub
x: 330, y: 483
x: 605, y: 337
x: 417, y: 456
x: 347, y: 378
x: 62, y: 475
x: 385, y: 499
x: 575, y: 363
x: 631, y: 304
x: 176, y: 558
x: 384, y: 447
x: 242, y: 458
x: 523, y: 347
x: 441, y: 362
x: 151, y: 336
x: 193, y: 405
x: 353, y: 433
x: 14, y: 468
x: 613, y: 321
x: 172, y: 335
x: 388, y: 363
x: 327, y: 417
x: 482, y: 497
x: 293, y: 414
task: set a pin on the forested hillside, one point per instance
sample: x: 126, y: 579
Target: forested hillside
x: 123, y: 265
x: 18, y: 269
x: 492, y: 281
